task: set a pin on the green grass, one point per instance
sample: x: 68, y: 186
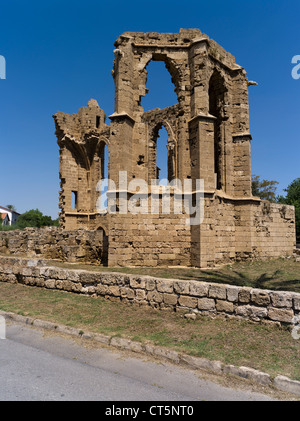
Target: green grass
x: 267, y: 348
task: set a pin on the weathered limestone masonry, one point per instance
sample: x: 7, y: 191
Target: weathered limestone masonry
x: 55, y: 243
x: 208, y: 139
x: 179, y: 295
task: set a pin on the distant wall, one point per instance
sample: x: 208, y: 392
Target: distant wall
x: 187, y: 295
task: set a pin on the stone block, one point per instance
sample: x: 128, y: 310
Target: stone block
x: 150, y: 283
x: 155, y: 296
x: 101, y: 289
x: 50, y: 283
x: 40, y: 281
x: 260, y: 297
x: 217, y: 291
x: 248, y: 373
x: 26, y: 271
x: 282, y: 299
x: 224, y: 306
x: 206, y: 304
x: 170, y: 299
x: 164, y: 285
x: 166, y: 353
x: 181, y: 287
x: 127, y: 292
x: 137, y: 282
x: 232, y: 293
x: 140, y: 294
x: 296, y: 301
x: 187, y: 301
x: 251, y: 312
x: 244, y: 295
x: 287, y: 385
x: 199, y: 289
x: 280, y: 315
x: 113, y: 290
x: 202, y: 363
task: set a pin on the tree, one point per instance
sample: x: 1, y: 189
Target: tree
x: 11, y: 207
x: 293, y: 198
x: 265, y: 189
x: 35, y: 218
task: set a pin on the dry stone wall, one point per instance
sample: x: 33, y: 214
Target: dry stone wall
x: 55, y: 243
x: 189, y: 296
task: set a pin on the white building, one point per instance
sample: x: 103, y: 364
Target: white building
x: 8, y: 216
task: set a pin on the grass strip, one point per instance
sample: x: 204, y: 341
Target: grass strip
x: 268, y: 348
x: 276, y: 274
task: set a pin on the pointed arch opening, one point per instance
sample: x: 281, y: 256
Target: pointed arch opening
x: 162, y: 154
x: 102, y: 185
x: 162, y: 172
x: 217, y: 93
x: 160, y: 89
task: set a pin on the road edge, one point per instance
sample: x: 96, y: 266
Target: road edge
x: 279, y: 382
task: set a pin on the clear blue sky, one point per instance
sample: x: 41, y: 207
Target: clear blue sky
x: 59, y: 54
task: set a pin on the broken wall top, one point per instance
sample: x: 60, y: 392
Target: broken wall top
x: 184, y: 39
x: 90, y: 119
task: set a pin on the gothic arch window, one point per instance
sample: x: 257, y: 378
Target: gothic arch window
x: 162, y: 153
x: 160, y: 90
x: 103, y: 175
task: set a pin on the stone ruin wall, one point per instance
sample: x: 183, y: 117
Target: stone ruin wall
x: 259, y: 231
x: 208, y: 138
x: 263, y: 231
x: 154, y: 240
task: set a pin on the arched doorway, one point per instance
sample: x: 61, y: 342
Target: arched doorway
x: 103, y: 239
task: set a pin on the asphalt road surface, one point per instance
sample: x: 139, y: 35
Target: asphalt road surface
x: 38, y: 366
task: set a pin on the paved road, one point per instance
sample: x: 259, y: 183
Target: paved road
x: 38, y: 367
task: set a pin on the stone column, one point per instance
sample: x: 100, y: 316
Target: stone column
x: 202, y: 129
x: 242, y: 164
x: 121, y: 139
x: 202, y: 160
x: 198, y: 57
x: 123, y: 75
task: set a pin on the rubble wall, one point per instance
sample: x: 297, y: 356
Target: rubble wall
x: 207, y: 298
x: 55, y: 243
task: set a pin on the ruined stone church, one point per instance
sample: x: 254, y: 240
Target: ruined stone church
x: 208, y: 139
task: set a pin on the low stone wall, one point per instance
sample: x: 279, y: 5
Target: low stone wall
x: 191, y: 296
x: 55, y: 243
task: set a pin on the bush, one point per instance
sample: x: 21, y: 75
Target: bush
x: 293, y: 198
x: 32, y: 218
